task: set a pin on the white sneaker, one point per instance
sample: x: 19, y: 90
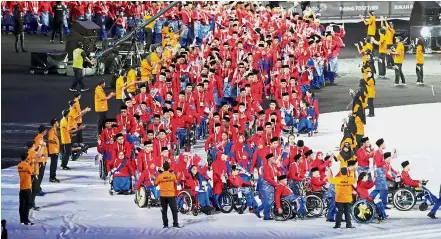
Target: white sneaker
x: 395, y: 84
x: 403, y: 84
x: 51, y: 41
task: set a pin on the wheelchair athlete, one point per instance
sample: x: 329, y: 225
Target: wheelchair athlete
x: 363, y: 186
x: 198, y: 190
x: 243, y: 188
x: 147, y: 180
x: 283, y: 191
x: 122, y: 175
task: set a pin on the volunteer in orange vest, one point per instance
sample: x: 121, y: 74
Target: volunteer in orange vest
x: 53, y: 150
x: 343, y: 196
x: 101, y: 106
x: 42, y: 160
x: 25, y: 172
x: 167, y: 190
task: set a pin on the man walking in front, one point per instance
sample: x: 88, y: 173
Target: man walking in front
x: 343, y: 197
x: 79, y: 56
x: 167, y: 189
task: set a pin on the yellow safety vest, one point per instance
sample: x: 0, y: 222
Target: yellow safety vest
x: 77, y: 58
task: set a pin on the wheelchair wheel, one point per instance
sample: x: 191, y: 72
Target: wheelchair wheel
x: 185, y: 202
x: 363, y: 211
x: 177, y: 149
x: 423, y: 206
x: 240, y: 204
x: 286, y: 210
x: 314, y: 205
x: 225, y: 202
x: 196, y: 210
x: 404, y: 199
x: 102, y: 169
x: 141, y: 197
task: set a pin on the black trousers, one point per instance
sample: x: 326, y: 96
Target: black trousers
x: 148, y: 33
x: 346, y: 209
x: 41, y: 174
x: 57, y: 27
x: 67, y: 152
x: 399, y: 74
x: 100, y: 122
x: 371, y: 106
x: 382, y: 64
x: 389, y: 58
x: 35, y: 189
x: 169, y: 202
x: 78, y: 78
x: 25, y: 204
x: 419, y: 72
x: 53, y: 167
x: 19, y: 36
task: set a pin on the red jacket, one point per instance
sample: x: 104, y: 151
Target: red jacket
x: 125, y: 170
x: 317, y: 184
x: 388, y: 170
x: 363, y: 190
x: 146, y: 178
x: 379, y: 158
x: 237, y: 181
x: 294, y: 172
x: 408, y: 181
x: 126, y: 122
x: 219, y: 168
x: 281, y: 191
x: 270, y: 174
x: 145, y: 161
x: 191, y: 183
x: 363, y: 157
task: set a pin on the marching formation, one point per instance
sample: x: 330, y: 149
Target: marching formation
x: 244, y: 87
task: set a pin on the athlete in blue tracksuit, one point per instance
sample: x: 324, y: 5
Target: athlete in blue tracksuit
x: 267, y: 189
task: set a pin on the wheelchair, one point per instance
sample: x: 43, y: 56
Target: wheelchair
x: 145, y: 198
x: 187, y: 203
x: 405, y: 198
x: 234, y: 198
x: 363, y: 211
x: 102, y: 171
x: 392, y: 187
x: 315, y: 203
x: 289, y: 209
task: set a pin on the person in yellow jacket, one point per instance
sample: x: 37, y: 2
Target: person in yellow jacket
x: 146, y: 71
x: 120, y: 86
x: 345, y: 155
x: 371, y: 23
x: 42, y: 158
x: 390, y: 34
x: 419, y: 61
x: 343, y: 196
x: 167, y: 189
x: 53, y: 149
x: 371, y: 92
x: 382, y: 50
x: 34, y: 152
x: 132, y: 80
x: 156, y: 62
x: 148, y: 30
x: 398, y: 61
x: 79, y: 57
x: 101, y: 106
x: 75, y: 118
x: 25, y: 172
x: 366, y: 51
x: 79, y: 119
